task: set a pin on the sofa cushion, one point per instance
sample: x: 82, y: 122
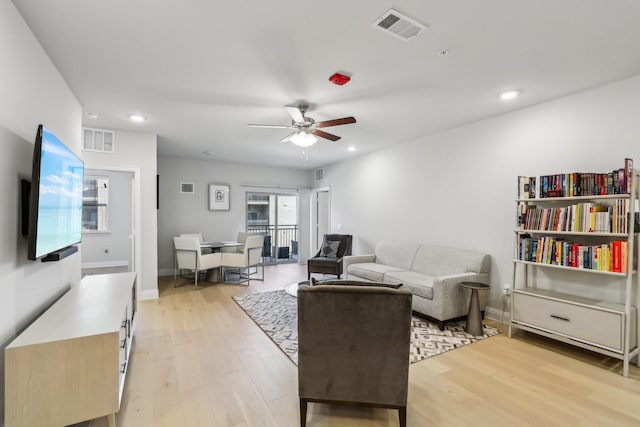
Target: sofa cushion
x: 419, y: 284
x: 371, y: 270
x: 442, y: 261
x: 396, y: 254
x: 344, y: 282
x: 324, y: 261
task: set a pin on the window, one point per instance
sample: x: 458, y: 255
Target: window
x: 95, y: 203
x: 275, y: 216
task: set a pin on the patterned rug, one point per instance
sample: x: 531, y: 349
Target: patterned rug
x: 275, y: 312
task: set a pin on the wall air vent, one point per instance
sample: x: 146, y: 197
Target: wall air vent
x: 398, y: 25
x: 319, y: 174
x: 187, y: 188
x: 98, y: 140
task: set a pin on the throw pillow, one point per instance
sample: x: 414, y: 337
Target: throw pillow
x: 329, y: 249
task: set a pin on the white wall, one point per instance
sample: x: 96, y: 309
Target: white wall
x: 137, y: 152
x: 31, y: 92
x: 457, y: 188
x: 111, y: 248
x: 189, y: 213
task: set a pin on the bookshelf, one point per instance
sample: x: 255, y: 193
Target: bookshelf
x: 580, y: 228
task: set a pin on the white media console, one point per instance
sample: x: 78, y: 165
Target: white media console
x: 69, y: 365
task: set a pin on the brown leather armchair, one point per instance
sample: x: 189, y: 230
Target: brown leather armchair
x: 353, y: 345
x: 330, y: 265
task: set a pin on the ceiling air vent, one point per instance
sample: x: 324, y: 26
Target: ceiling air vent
x: 398, y: 25
x: 319, y: 174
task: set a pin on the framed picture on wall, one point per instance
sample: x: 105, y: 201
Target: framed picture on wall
x: 219, y: 197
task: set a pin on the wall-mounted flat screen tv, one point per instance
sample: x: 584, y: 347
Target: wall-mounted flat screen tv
x: 55, y: 202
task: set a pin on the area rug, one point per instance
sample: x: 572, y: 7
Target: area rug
x: 275, y: 312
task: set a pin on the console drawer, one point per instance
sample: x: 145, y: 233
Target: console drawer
x: 601, y: 326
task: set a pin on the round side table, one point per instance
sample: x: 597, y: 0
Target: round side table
x: 292, y: 289
x: 474, y: 319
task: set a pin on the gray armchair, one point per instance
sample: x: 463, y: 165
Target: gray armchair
x: 325, y: 263
x: 353, y: 345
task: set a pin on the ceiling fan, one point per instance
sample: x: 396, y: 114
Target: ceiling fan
x: 305, y: 128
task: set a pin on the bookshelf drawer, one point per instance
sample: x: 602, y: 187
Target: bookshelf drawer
x: 585, y: 323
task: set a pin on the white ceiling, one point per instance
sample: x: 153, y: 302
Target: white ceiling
x: 201, y: 70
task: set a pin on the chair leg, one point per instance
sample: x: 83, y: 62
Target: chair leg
x: 402, y: 416
x: 175, y: 271
x: 303, y: 412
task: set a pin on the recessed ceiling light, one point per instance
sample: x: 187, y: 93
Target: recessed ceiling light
x: 351, y: 148
x: 510, y: 94
x: 137, y: 118
x: 92, y: 116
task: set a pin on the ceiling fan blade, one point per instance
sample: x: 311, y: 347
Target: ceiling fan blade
x: 272, y: 126
x: 336, y: 122
x: 325, y: 135
x: 295, y: 114
x: 288, y: 137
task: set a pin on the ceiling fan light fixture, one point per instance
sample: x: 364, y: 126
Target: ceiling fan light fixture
x: 303, y: 139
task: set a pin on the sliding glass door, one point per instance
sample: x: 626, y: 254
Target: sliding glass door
x: 275, y: 216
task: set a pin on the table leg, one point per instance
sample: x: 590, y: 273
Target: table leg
x: 474, y: 319
x: 214, y: 275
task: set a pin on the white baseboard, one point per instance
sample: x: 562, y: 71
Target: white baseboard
x: 497, y: 314
x: 106, y: 264
x: 150, y: 294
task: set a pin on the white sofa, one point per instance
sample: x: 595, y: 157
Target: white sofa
x: 433, y: 274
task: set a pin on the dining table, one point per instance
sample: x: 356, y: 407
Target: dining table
x: 217, y: 246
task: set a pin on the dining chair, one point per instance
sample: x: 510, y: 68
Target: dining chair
x: 248, y: 258
x: 198, y: 235
x: 200, y: 240
x: 242, y: 238
x: 188, y: 256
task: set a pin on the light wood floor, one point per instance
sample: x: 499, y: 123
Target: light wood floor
x: 198, y: 360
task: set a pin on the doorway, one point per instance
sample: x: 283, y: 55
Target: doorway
x: 275, y: 216
x: 107, y: 222
x: 320, y: 216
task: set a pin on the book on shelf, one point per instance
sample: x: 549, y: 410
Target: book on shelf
x: 628, y: 170
x: 526, y: 187
x: 579, y: 217
x: 618, y: 181
x: 610, y: 257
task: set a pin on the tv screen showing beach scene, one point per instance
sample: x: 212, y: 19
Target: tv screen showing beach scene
x: 58, y: 197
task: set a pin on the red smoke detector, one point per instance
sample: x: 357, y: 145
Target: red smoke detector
x: 339, y: 79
